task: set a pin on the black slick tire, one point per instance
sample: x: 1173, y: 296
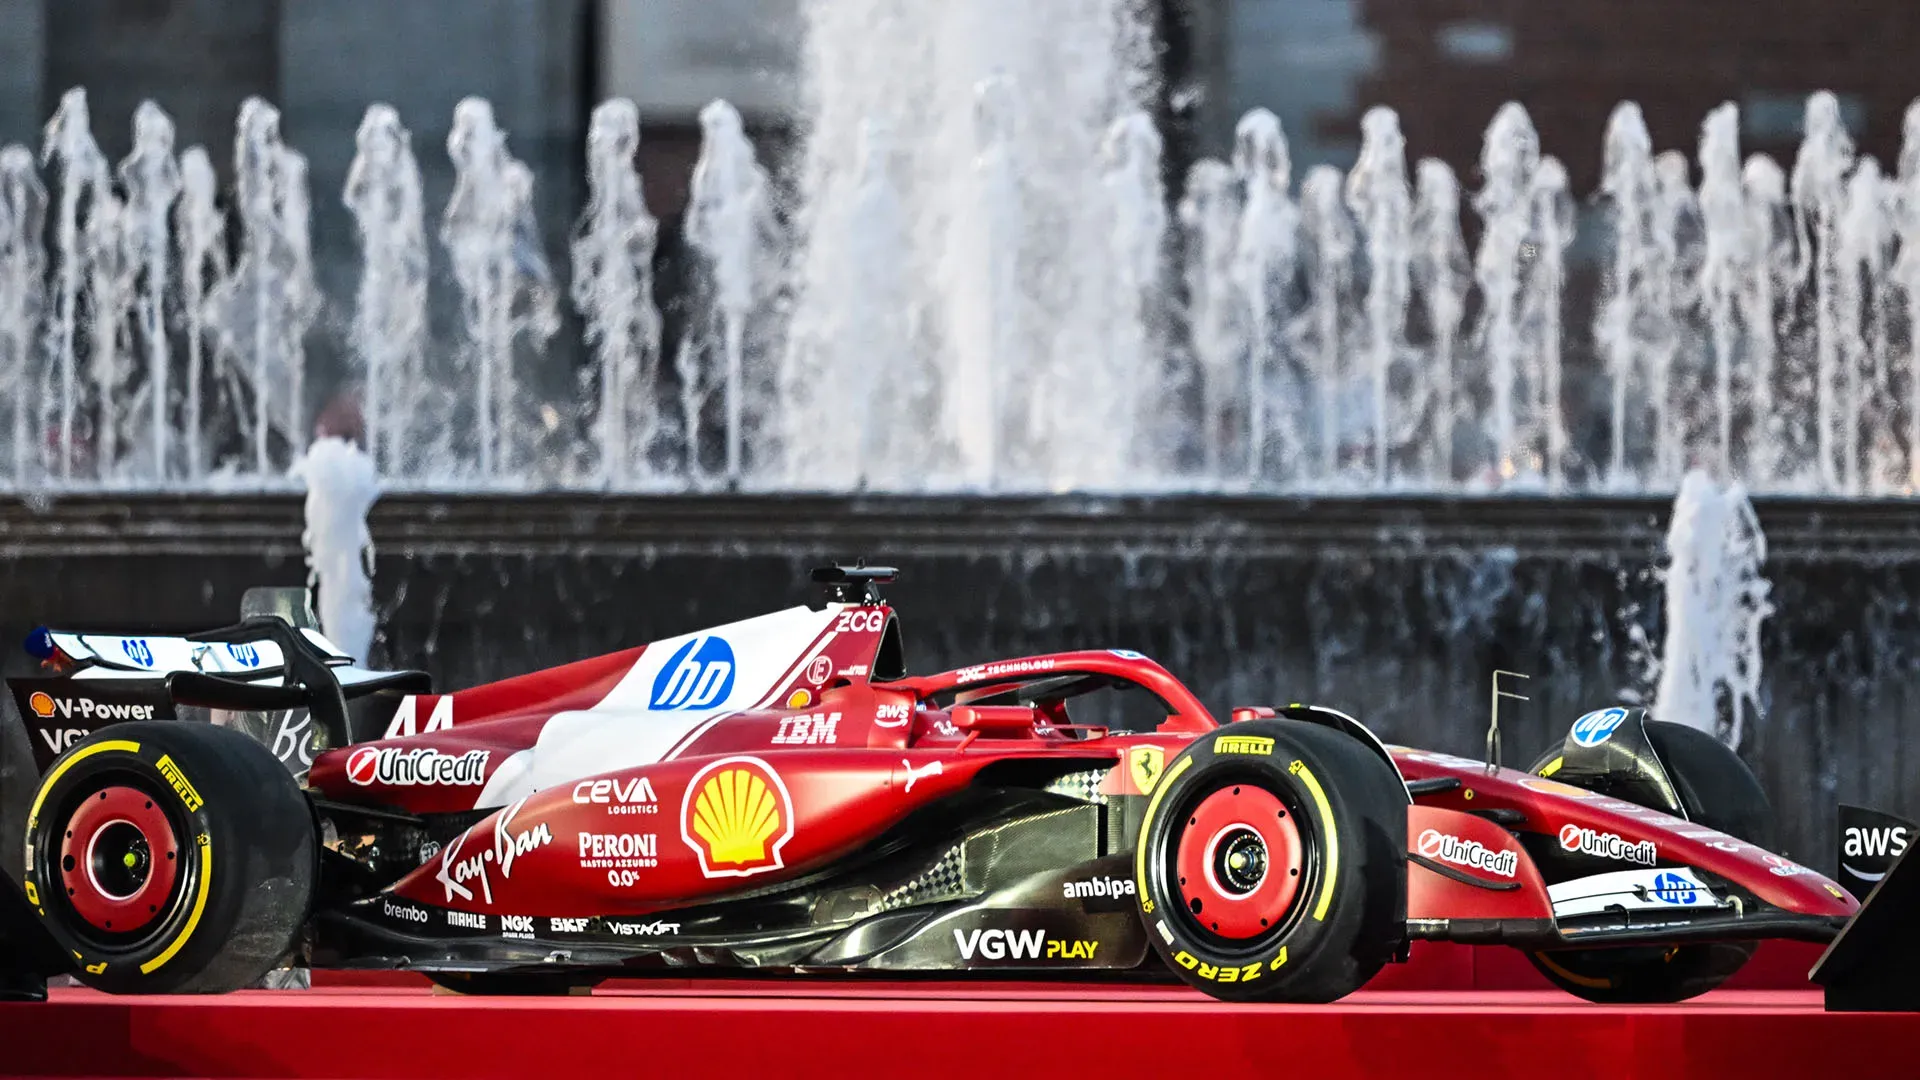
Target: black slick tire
x: 1272, y: 863
x: 214, y: 885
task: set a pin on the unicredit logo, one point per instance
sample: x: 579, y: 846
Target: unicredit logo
x: 1435, y: 844
x: 397, y: 767
x: 1606, y: 845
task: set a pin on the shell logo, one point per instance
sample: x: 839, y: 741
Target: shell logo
x: 737, y: 815
x: 41, y: 704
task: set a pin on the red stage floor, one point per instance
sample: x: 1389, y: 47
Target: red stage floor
x: 975, y: 1031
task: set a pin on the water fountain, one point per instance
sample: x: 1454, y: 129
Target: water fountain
x: 1819, y: 197
x: 1442, y: 272
x: 1906, y: 273
x: 1266, y: 254
x: 1381, y: 202
x: 1716, y: 598
x: 506, y: 289
x: 23, y: 219
x: 999, y: 303
x: 70, y: 150
x: 730, y: 222
x: 390, y: 310
x: 151, y: 177
x: 613, y: 288
x: 202, y: 236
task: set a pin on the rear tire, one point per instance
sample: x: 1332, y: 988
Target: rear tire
x: 1272, y: 863
x: 171, y: 857
x: 1717, y: 790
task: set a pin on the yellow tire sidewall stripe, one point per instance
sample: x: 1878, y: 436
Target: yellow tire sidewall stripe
x: 85, y: 752
x: 1299, y: 768
x: 193, y: 917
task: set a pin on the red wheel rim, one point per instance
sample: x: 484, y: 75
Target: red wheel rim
x: 119, y: 860
x: 1239, y: 862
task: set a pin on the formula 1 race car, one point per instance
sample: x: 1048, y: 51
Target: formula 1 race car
x: 780, y: 794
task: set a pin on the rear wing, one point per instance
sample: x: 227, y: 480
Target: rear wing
x: 262, y: 664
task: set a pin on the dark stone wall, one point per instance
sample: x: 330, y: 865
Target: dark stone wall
x: 1394, y: 610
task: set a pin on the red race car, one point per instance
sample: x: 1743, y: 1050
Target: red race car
x: 779, y: 794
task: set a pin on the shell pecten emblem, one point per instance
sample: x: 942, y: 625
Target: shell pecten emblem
x: 737, y: 816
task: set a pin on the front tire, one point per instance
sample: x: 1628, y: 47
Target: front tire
x: 171, y: 857
x: 1272, y: 863
x: 1717, y: 790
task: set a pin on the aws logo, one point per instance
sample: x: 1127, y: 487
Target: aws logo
x: 737, y: 816
x: 699, y: 675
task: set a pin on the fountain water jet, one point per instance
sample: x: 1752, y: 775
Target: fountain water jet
x: 151, y: 177
x: 1441, y: 269
x: 1508, y: 160
x: 201, y: 230
x: 1136, y: 200
x: 1266, y: 254
x: 1865, y: 241
x: 613, y: 288
x: 1628, y: 185
x: 1377, y: 193
x: 1676, y: 214
x: 390, y: 310
x: 1553, y: 226
x: 1210, y: 214
x: 69, y: 146
x: 1768, y: 242
x: 1723, y: 212
x: 1329, y: 281
x: 23, y: 268
x: 1819, y: 198
x: 1716, y: 599
x: 1906, y: 274
x: 730, y: 222
x: 505, y: 286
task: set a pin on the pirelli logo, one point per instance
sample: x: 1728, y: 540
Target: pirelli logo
x: 180, y: 786
x: 1242, y: 744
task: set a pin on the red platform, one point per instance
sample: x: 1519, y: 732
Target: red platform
x: 974, y: 1030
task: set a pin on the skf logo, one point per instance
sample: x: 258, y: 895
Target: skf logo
x: 699, y: 675
x: 1144, y: 766
x: 180, y: 785
x: 737, y: 815
x: 41, y: 704
x: 1243, y: 744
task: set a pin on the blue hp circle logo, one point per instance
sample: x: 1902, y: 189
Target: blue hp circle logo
x: 697, y: 676
x: 138, y: 651
x: 1597, y: 727
x: 1671, y: 888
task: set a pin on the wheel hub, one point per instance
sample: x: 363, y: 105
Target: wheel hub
x: 1238, y: 862
x: 118, y: 860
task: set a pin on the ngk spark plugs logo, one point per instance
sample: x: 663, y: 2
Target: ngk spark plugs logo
x: 1435, y: 844
x: 699, y: 675
x: 396, y: 766
x: 737, y: 815
x: 1606, y: 845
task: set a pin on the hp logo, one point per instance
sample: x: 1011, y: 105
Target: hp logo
x: 244, y: 655
x: 1597, y: 727
x: 1671, y: 888
x: 138, y: 651
x: 699, y: 675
